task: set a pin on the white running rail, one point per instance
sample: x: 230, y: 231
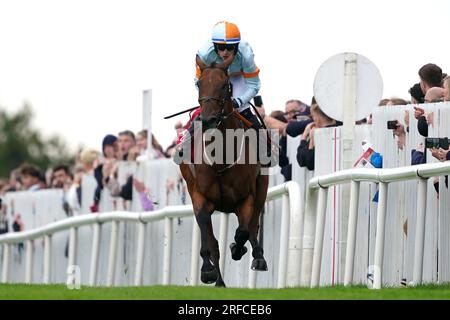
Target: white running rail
x: 291, y: 210
x: 383, y: 177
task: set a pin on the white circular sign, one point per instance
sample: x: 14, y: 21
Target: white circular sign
x: 329, y: 86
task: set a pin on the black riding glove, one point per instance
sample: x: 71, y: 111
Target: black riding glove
x: 237, y: 103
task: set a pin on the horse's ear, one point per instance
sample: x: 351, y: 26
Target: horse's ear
x: 200, y: 63
x: 226, y: 63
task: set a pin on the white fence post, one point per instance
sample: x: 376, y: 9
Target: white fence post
x: 72, y: 247
x: 284, y: 242
x: 195, y: 253
x: 113, y: 254
x: 140, y: 254
x: 379, y: 237
x: 47, y: 258
x: 318, y: 240
x: 296, y: 232
x: 29, y: 261
x: 167, y: 250
x: 94, y: 254
x: 351, y: 233
x: 223, y: 241
x: 147, y: 119
x: 351, y: 97
x: 420, y: 231
x: 6, y: 262
x: 310, y: 210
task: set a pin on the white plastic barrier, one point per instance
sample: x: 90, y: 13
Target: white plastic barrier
x: 36, y: 209
x: 286, y: 262
x: 384, y: 177
x: 328, y: 160
x: 401, y: 205
x: 167, y: 187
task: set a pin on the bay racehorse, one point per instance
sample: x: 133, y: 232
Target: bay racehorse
x: 237, y: 187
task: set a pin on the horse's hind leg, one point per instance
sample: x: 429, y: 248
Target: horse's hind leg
x: 209, y: 251
x: 215, y: 256
x: 259, y: 263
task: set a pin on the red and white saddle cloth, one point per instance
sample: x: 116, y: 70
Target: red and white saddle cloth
x: 183, y: 134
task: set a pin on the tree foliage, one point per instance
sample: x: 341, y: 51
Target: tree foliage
x: 20, y: 142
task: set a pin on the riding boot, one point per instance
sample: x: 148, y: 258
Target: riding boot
x: 256, y: 124
x: 248, y: 114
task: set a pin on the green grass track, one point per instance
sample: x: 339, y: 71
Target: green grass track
x: 61, y: 292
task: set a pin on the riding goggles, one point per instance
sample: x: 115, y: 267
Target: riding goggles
x: 223, y: 46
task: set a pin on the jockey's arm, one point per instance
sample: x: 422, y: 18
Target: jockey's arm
x: 252, y: 87
x: 250, y: 73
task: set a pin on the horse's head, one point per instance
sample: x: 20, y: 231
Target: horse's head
x: 214, y: 92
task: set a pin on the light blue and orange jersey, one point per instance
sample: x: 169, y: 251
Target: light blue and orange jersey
x: 243, y: 65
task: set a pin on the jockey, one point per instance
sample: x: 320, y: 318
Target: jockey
x: 226, y: 41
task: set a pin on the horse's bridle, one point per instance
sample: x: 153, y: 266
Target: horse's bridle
x: 221, y: 117
x: 221, y: 100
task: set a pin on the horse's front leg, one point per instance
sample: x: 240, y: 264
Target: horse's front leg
x: 244, y: 213
x: 258, y: 263
x: 209, y: 250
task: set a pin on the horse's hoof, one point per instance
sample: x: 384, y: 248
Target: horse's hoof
x: 235, y: 253
x: 259, y: 265
x: 209, y: 277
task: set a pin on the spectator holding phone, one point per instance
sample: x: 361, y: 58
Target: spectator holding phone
x: 430, y: 76
x: 398, y: 131
x: 441, y: 154
x: 293, y: 122
x: 422, y: 125
x: 439, y: 148
x: 440, y: 151
x: 297, y: 115
x: 285, y: 165
x: 305, y: 151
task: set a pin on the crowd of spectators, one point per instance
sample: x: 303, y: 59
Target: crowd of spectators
x: 299, y: 119
x: 100, y: 165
